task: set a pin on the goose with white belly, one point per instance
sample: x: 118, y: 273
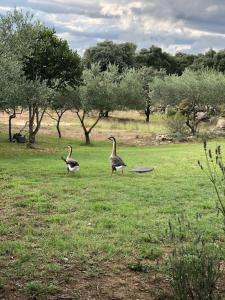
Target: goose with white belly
x: 71, y: 164
x: 116, y: 161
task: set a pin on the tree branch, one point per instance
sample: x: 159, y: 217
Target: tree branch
x: 95, y: 123
x: 20, y: 112
x: 38, y: 120
x: 83, y: 116
x: 82, y: 119
x: 51, y: 116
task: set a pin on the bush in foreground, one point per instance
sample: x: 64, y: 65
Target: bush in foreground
x: 194, y: 271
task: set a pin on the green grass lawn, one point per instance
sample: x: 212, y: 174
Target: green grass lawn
x: 92, y: 222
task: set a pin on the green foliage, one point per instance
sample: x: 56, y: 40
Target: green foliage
x: 151, y: 253
x: 154, y: 57
x: 11, y: 82
x: 125, y: 56
x: 204, y: 60
x: 17, y: 30
x: 99, y: 89
x: 37, y: 94
x: 39, y: 288
x: 175, y: 121
x: 18, y: 33
x: 108, y: 53
x: 211, y: 59
x: 132, y: 94
x: 201, y: 87
x: 221, y: 110
x: 183, y: 61
x: 35, y: 63
x: 170, y: 111
x: 98, y: 92
x: 52, y: 60
x: 190, y: 90
x: 194, y: 271
x: 65, y: 99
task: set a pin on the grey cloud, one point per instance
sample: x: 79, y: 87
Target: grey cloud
x: 104, y: 35
x: 92, y: 11
x: 78, y: 20
x: 12, y: 3
x: 206, y: 15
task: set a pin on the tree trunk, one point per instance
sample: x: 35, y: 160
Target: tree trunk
x: 87, y: 137
x: 34, y: 113
x: 193, y: 127
x: 31, y: 138
x: 59, y: 114
x: 87, y: 132
x: 106, y: 114
x: 147, y: 112
x: 10, y: 126
x: 194, y: 130
x: 58, y: 128
x: 147, y: 116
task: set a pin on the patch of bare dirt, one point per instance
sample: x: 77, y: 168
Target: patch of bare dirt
x: 110, y: 284
x: 71, y: 127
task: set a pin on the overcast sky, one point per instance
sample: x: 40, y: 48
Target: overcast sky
x: 190, y: 26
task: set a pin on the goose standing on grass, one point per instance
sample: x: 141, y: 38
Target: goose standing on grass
x: 117, y: 162
x: 71, y: 164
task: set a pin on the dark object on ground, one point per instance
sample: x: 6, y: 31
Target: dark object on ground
x: 19, y: 138
x: 142, y: 169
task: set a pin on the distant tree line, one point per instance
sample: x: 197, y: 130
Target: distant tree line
x: 41, y: 74
x: 126, y: 55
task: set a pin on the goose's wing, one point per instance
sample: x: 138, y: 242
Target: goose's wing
x: 117, y: 161
x: 72, y: 162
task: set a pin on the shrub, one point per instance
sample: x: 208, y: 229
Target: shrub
x: 170, y: 111
x: 175, y: 121
x: 193, y: 272
x: 215, y: 171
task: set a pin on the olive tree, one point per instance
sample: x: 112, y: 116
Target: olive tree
x: 190, y: 91
x: 97, y: 94
x: 135, y: 87
x: 131, y: 90
x: 18, y: 35
x: 36, y: 101
x: 15, y: 42
x: 64, y: 100
x: 16, y: 93
x: 147, y: 76
x: 11, y: 88
x: 48, y: 64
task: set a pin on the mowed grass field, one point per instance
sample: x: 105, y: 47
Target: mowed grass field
x: 76, y: 236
